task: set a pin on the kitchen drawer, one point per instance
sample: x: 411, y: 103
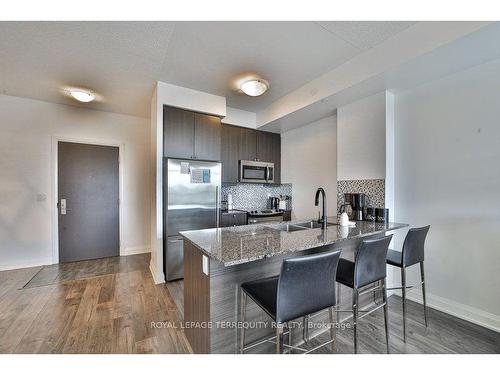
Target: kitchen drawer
x: 231, y: 219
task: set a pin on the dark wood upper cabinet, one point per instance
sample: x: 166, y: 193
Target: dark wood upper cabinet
x: 190, y: 135
x: 265, y: 145
x: 248, y: 144
x: 230, y: 139
x: 207, y: 137
x: 178, y: 133
x: 269, y: 149
x: 276, y: 159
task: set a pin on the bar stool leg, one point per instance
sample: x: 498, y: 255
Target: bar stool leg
x: 337, y: 308
x: 422, y: 276
x: 338, y: 293
x: 290, y: 338
x: 305, y: 328
x: 403, y: 291
x: 376, y: 284
x: 280, y: 340
x: 333, y: 329
x: 386, y: 317
x: 355, y: 318
x: 242, y: 320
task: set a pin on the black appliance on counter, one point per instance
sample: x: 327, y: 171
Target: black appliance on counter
x: 357, y: 201
x: 273, y: 203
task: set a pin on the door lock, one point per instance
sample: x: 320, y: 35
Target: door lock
x: 63, y: 206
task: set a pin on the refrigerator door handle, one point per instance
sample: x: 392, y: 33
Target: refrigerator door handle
x: 217, y: 206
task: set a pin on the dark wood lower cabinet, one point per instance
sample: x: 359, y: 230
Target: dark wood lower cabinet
x: 233, y: 218
x: 196, y: 300
x: 287, y: 215
x: 213, y: 300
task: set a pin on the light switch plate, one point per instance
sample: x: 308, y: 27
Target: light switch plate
x: 205, y: 264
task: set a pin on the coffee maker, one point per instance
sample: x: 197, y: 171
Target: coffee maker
x: 273, y: 203
x: 357, y: 201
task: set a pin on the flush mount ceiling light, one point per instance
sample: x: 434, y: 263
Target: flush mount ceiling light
x: 82, y: 96
x: 254, y: 87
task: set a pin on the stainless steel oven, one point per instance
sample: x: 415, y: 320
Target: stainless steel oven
x: 256, y: 171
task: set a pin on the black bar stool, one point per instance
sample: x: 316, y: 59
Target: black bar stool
x: 369, y: 267
x: 413, y: 253
x: 303, y: 287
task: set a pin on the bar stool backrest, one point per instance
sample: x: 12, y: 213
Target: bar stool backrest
x: 306, y: 285
x: 370, y: 263
x: 413, y: 247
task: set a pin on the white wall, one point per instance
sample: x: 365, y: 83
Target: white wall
x: 309, y: 161
x: 361, y: 139
x: 447, y: 161
x: 193, y: 100
x: 239, y: 117
x: 26, y: 130
x: 156, y: 208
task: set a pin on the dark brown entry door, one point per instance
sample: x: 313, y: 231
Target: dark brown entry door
x: 88, y: 202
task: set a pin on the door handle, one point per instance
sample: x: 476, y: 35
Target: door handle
x: 176, y: 240
x: 217, y: 206
x: 63, y: 206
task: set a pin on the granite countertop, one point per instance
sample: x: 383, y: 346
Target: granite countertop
x: 247, y: 243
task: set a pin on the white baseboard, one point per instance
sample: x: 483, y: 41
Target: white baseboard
x: 158, y: 277
x: 135, y: 250
x: 459, y: 310
x: 27, y: 264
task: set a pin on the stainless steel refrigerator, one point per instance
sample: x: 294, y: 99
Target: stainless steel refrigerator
x: 191, y: 201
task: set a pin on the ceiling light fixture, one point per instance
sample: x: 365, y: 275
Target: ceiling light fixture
x: 82, y: 96
x: 254, y: 87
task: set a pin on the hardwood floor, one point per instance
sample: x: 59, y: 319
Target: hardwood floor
x: 108, y: 305
x: 445, y: 334
x: 99, y: 306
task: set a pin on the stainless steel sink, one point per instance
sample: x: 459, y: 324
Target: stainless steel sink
x: 288, y: 227
x: 311, y: 224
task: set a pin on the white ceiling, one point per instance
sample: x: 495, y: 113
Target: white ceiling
x: 121, y: 61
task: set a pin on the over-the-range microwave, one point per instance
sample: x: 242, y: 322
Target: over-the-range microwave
x: 256, y: 171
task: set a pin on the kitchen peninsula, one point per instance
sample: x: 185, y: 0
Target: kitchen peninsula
x: 217, y: 261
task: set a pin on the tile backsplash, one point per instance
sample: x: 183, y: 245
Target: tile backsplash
x: 374, y: 190
x: 254, y: 196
